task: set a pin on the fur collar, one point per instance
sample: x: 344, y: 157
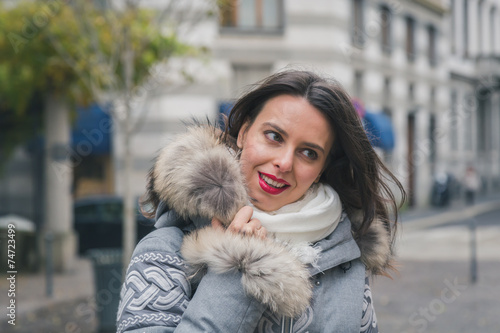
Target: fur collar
x: 198, y: 175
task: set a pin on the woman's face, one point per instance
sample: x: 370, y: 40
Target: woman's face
x: 284, y: 151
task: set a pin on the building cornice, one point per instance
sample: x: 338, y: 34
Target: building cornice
x: 438, y: 6
x: 461, y: 77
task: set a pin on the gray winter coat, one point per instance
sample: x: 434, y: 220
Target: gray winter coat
x: 188, y: 277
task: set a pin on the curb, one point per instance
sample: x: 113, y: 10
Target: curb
x: 446, y: 217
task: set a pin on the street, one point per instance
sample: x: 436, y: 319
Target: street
x: 433, y: 292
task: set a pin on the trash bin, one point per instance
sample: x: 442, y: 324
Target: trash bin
x: 23, y: 244
x: 107, y: 265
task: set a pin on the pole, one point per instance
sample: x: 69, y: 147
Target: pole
x: 473, y: 250
x: 49, y: 265
x: 129, y: 236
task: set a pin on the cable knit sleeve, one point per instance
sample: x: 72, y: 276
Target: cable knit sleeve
x: 369, y: 318
x: 155, y: 291
x: 157, y: 296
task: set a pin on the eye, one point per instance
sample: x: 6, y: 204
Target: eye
x: 273, y: 136
x: 310, y: 154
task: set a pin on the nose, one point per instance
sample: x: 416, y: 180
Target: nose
x: 284, y: 160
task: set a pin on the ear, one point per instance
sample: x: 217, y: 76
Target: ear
x: 242, y: 135
x: 317, y: 178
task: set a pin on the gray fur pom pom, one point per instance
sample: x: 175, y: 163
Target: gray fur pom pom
x: 196, y: 175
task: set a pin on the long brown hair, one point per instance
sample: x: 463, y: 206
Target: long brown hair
x: 353, y: 168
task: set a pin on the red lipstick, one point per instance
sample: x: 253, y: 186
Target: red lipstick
x: 270, y: 188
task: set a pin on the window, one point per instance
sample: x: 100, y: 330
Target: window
x: 454, y: 121
x: 411, y: 92
x: 480, y: 20
x: 410, y: 39
x: 467, y: 113
x: 264, y: 16
x: 432, y: 127
x: 432, y: 138
x: 358, y: 25
x: 358, y: 84
x: 386, y: 27
x: 453, y: 27
x: 387, y: 96
x: 483, y: 123
x: 432, y: 51
x: 466, y: 27
x: 493, y: 31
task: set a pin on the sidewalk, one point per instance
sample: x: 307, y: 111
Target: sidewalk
x: 424, y: 276
x: 70, y: 309
x: 437, y: 297
x: 433, y: 216
x: 433, y: 292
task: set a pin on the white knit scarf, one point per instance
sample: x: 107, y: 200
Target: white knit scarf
x: 309, y: 220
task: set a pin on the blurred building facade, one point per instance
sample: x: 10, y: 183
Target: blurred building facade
x: 474, y: 72
x: 432, y: 67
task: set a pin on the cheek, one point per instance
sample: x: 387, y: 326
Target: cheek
x: 248, y: 161
x: 252, y: 153
x: 307, y: 176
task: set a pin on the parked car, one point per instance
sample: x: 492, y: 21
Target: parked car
x: 99, y: 222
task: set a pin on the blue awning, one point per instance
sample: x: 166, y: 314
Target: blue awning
x: 92, y: 131
x: 224, y: 110
x: 379, y: 129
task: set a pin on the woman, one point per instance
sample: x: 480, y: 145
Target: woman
x: 472, y: 184
x: 297, y: 208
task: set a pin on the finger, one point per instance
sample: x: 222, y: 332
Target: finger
x: 254, y: 228
x: 261, y: 233
x: 246, y: 230
x: 241, y: 219
x: 253, y: 225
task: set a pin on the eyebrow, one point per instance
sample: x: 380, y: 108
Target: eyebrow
x: 285, y: 134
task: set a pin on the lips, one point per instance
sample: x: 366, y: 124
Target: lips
x: 271, y: 184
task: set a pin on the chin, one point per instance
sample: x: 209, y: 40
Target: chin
x: 266, y: 206
x: 262, y: 204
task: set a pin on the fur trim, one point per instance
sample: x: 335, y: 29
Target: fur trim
x: 270, y: 272
x: 196, y: 175
x: 374, y: 245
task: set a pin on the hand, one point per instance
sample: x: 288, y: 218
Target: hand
x: 243, y: 223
